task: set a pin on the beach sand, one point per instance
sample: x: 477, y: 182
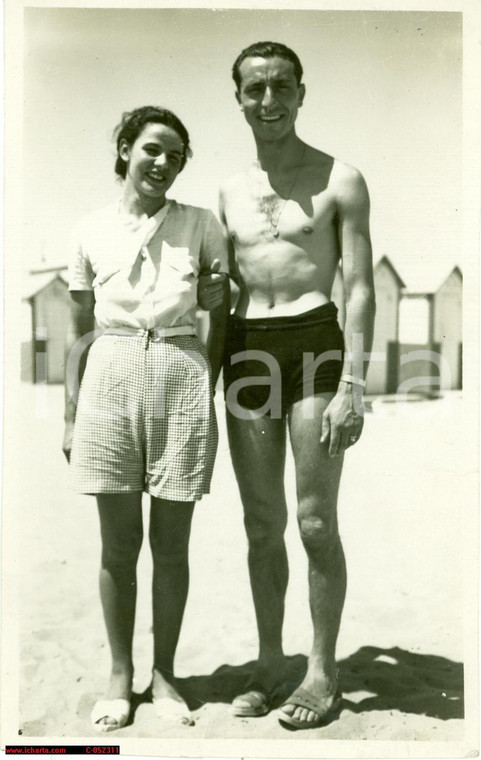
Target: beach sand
x: 400, y: 649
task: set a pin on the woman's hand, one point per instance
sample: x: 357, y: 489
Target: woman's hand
x: 67, y: 439
x: 210, y: 289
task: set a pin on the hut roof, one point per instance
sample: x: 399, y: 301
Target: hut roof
x: 425, y: 287
x: 385, y: 262
x: 37, y: 282
x: 44, y: 268
x: 456, y: 271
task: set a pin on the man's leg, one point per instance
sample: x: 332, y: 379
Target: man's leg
x: 317, y: 481
x: 121, y: 531
x: 258, y: 455
x: 169, y: 534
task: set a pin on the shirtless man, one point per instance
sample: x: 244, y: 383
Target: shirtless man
x: 289, y: 220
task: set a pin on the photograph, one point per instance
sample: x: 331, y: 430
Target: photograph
x: 241, y: 394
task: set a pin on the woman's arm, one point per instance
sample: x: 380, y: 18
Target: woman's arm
x: 77, y: 343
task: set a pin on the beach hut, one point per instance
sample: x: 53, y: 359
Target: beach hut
x: 430, y: 348
x: 381, y: 377
x: 447, y: 327
x: 48, y: 298
x: 417, y: 366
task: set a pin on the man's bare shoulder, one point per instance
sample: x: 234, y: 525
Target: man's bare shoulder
x: 346, y: 180
x: 234, y: 183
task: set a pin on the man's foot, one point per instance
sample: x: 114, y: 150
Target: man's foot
x: 262, y: 684
x: 167, y: 701
x: 252, y: 704
x: 303, y: 709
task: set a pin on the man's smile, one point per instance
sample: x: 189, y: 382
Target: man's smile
x: 271, y: 117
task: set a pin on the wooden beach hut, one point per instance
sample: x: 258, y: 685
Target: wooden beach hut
x: 48, y: 298
x: 388, y: 286
x: 447, y: 327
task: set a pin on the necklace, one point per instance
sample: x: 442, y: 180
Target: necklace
x: 270, y: 208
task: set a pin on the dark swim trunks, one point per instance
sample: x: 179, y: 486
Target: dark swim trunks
x: 296, y: 357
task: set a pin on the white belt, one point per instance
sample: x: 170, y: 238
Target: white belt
x: 156, y: 333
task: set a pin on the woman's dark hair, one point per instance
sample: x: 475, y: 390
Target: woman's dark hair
x: 266, y: 50
x: 133, y: 123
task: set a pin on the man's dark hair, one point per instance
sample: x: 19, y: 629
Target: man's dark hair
x: 133, y: 123
x: 266, y: 50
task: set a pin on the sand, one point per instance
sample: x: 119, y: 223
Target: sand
x: 401, y: 648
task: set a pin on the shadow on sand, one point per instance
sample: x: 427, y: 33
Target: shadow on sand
x: 394, y: 679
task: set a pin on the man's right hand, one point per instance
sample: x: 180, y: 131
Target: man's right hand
x: 67, y: 440
x: 210, y: 289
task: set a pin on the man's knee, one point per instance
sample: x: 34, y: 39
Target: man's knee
x: 318, y: 534
x: 264, y: 533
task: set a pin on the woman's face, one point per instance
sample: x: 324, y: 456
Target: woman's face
x: 153, y: 160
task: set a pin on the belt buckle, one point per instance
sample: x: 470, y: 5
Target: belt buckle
x: 152, y: 335
x: 157, y: 333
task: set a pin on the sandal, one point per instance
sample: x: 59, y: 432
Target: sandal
x: 303, y: 698
x: 117, y: 709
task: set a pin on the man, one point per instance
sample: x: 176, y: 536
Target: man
x: 290, y: 219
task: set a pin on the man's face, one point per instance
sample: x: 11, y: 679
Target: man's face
x: 269, y: 96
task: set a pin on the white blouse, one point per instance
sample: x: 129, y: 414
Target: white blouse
x: 144, y: 272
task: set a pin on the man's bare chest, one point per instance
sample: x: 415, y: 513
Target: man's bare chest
x: 254, y: 218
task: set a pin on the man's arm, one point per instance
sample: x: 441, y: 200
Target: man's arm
x: 80, y: 326
x: 210, y: 286
x: 217, y: 332
x: 343, y: 419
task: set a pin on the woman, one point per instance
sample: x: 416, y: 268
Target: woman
x: 145, y: 419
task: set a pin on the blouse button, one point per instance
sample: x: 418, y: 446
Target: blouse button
x: 143, y: 256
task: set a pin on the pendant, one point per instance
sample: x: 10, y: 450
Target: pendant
x: 275, y: 234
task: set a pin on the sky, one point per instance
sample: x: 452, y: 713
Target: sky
x: 384, y: 93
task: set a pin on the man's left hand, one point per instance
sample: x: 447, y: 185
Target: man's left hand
x: 342, y: 422
x: 210, y: 288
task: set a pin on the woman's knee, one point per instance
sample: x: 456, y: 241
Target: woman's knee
x: 169, y: 546
x: 169, y: 554
x: 122, y: 550
x: 121, y: 528
x: 169, y: 528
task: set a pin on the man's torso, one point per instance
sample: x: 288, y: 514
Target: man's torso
x: 286, y: 252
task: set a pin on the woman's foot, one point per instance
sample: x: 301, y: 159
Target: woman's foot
x: 110, y: 714
x: 113, y: 711
x: 120, y: 684
x: 167, y: 701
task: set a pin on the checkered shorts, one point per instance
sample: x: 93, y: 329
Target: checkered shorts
x: 145, y: 419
